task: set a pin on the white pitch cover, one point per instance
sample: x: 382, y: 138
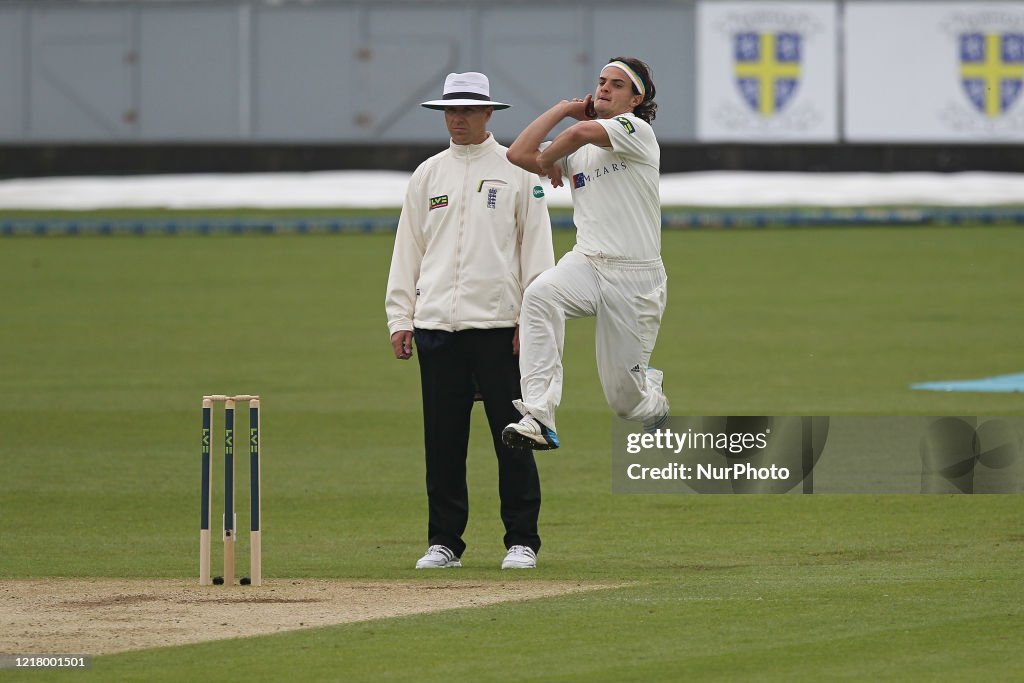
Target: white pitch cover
x: 767, y: 72
x: 934, y: 71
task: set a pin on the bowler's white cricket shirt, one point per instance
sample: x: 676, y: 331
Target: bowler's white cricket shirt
x: 615, y: 193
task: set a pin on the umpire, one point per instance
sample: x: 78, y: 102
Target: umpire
x: 474, y: 232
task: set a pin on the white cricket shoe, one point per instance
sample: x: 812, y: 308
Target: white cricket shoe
x: 520, y: 557
x: 528, y: 433
x: 438, y: 557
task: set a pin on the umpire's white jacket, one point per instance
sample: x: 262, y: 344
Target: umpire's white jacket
x: 474, y: 233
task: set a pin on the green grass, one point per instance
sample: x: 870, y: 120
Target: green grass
x: 171, y: 214
x: 107, y: 345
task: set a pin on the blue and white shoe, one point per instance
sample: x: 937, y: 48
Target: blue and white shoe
x: 528, y: 433
x: 438, y: 557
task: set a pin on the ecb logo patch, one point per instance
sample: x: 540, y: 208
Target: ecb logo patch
x: 578, y: 181
x: 492, y: 197
x: 626, y: 123
x: 992, y: 70
x: 438, y: 202
x: 767, y: 69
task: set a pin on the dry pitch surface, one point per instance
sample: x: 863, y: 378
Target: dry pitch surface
x: 103, y: 616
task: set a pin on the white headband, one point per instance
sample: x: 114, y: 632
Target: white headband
x: 629, y: 72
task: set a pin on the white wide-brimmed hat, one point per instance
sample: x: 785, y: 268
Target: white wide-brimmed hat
x: 471, y: 89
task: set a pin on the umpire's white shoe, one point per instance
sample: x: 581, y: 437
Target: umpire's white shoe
x: 438, y: 557
x: 520, y: 557
x: 528, y: 433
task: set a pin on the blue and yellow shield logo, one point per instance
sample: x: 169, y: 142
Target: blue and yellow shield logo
x: 767, y: 69
x: 992, y: 70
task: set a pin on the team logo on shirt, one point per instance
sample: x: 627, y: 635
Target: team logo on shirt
x: 627, y: 124
x: 438, y: 202
x: 538, y: 191
x: 492, y: 197
x: 580, y: 180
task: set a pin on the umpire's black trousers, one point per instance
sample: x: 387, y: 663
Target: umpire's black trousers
x: 449, y: 363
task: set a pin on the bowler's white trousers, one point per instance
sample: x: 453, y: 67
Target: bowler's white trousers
x: 628, y: 298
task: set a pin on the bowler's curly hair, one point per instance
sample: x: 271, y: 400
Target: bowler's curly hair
x: 648, y: 109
